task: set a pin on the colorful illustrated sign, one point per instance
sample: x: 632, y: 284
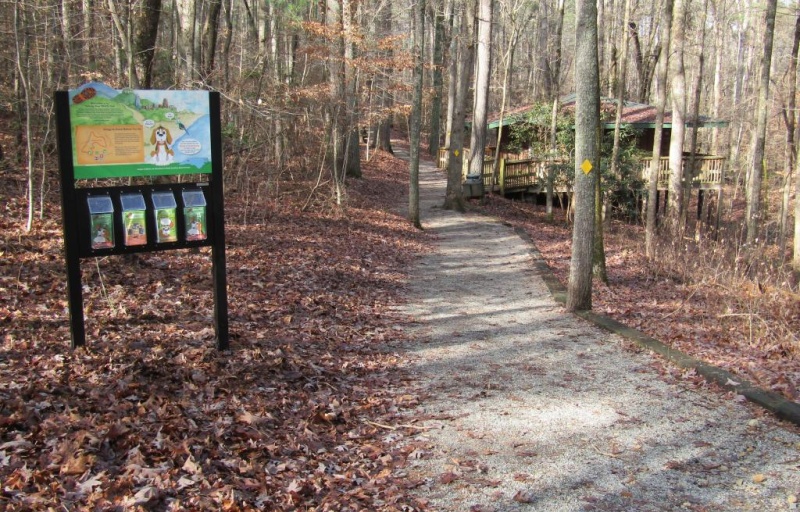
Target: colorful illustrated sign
x: 139, y: 132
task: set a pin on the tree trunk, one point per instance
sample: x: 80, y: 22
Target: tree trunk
x: 477, y: 143
x: 587, y: 162
x: 620, y: 92
x: 353, y: 159
x: 696, y: 95
x: 438, y: 84
x: 462, y: 56
x: 452, y: 75
x: 677, y: 173
x: 209, y: 48
x: 22, y: 74
x: 754, y: 188
x: 147, y: 15
x: 661, y: 101
x: 337, y: 107
x: 123, y: 24
x: 185, y: 11
x: 384, y: 140
x: 418, y: 36
x: 790, y: 119
x: 554, y: 98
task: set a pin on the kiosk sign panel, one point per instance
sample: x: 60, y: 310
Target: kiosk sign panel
x: 139, y: 132
x: 105, y: 133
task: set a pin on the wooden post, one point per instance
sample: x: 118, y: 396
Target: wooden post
x: 503, y: 177
x: 700, y: 204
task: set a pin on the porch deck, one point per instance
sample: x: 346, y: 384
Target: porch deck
x: 516, y: 175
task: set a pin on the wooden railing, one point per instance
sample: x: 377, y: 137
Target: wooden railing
x: 443, y: 155
x: 515, y: 173
x: 708, y: 170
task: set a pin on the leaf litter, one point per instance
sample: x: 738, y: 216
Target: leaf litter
x: 150, y: 416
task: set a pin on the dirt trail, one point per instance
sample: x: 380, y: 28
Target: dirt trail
x: 529, y: 408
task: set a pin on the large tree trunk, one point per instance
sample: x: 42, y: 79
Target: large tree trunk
x: 477, y: 142
x: 418, y: 33
x: 353, y: 160
x: 337, y: 107
x: 661, y: 101
x: 147, y: 16
x: 790, y: 119
x: 384, y: 140
x: 677, y: 174
x: 587, y: 161
x: 210, y: 33
x: 186, y: 12
x: 462, y: 57
x: 438, y: 84
x: 452, y: 75
x: 554, y: 98
x: 762, y: 110
x: 121, y: 16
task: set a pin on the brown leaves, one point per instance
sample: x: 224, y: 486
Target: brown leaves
x: 150, y: 415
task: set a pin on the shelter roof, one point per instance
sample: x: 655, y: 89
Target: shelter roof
x: 638, y: 115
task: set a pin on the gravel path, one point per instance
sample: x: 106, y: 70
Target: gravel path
x: 525, y: 407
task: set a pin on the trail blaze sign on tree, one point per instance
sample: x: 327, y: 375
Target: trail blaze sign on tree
x: 104, y: 133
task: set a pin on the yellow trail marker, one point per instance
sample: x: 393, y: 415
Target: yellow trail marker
x: 586, y: 166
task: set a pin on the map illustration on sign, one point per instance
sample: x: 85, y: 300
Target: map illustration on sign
x: 139, y: 132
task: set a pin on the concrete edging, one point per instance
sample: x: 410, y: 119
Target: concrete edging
x: 773, y: 402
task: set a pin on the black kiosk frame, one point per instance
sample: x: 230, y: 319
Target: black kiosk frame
x: 109, y: 220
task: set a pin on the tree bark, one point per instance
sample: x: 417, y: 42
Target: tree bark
x: 477, y: 143
x: 587, y: 123
x: 753, y: 216
x: 148, y: 14
x: 438, y: 84
x: 661, y: 101
x: 210, y: 33
x: 678, y: 81
x: 554, y: 98
x: 353, y: 159
x: 418, y: 36
x: 462, y: 56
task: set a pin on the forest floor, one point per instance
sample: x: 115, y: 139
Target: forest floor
x: 313, y: 406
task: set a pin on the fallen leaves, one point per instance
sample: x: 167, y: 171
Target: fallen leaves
x: 151, y: 416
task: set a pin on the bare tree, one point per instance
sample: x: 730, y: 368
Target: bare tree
x: 477, y: 142
x: 438, y: 81
x: 661, y: 101
x: 790, y: 121
x: 678, y: 82
x: 587, y: 123
x: 418, y: 37
x: 753, y: 215
x: 460, y: 62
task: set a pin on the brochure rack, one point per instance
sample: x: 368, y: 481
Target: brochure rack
x: 113, y: 220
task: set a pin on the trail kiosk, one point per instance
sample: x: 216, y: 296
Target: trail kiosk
x: 103, y: 134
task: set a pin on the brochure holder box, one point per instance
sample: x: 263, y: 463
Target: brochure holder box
x: 101, y: 222
x: 165, y: 215
x: 133, y: 219
x: 194, y: 215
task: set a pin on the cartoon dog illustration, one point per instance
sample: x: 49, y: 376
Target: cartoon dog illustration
x: 162, y: 140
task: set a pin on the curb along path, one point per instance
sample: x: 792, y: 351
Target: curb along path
x: 525, y: 407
